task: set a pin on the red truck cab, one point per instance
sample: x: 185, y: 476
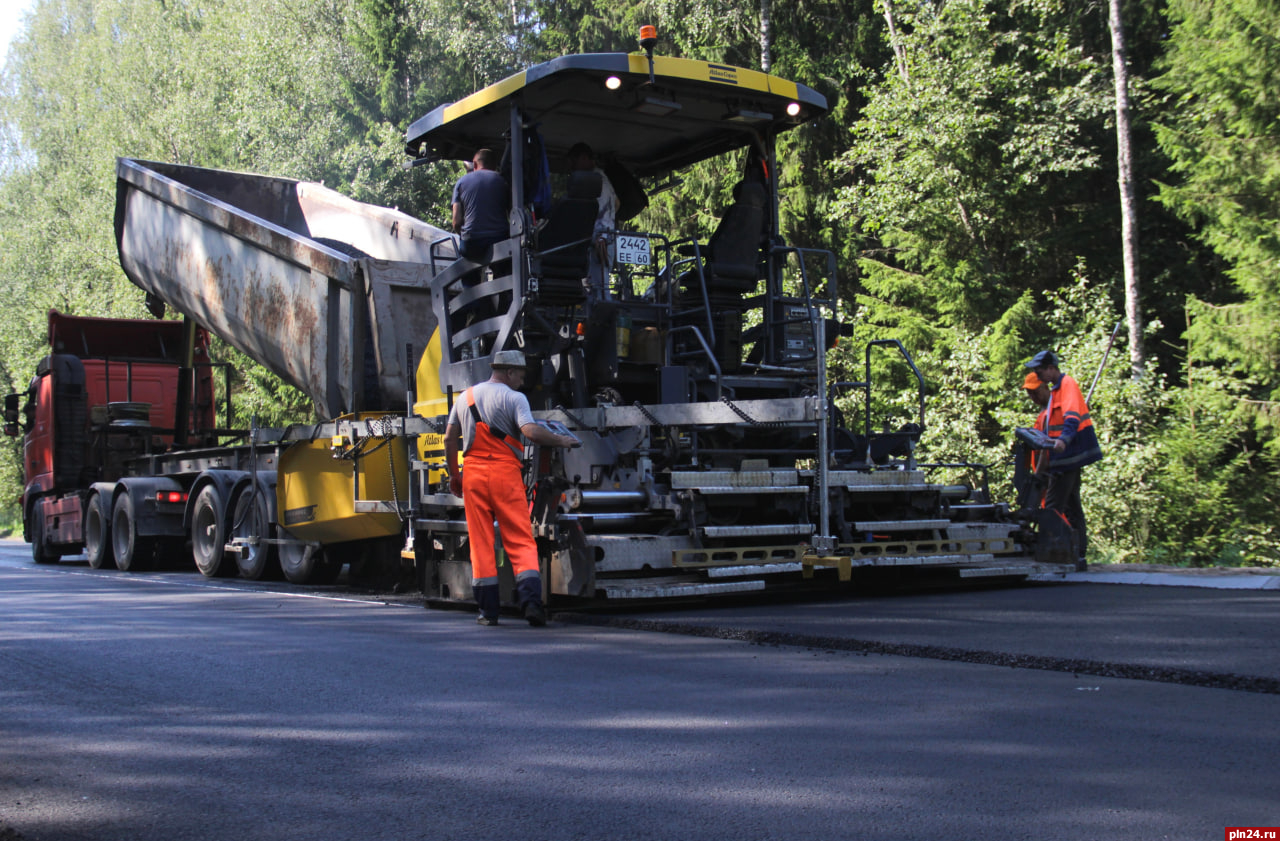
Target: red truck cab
x: 110, y: 391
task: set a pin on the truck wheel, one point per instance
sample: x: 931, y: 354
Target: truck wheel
x: 133, y: 553
x: 41, y: 551
x: 97, y: 533
x: 303, y: 564
x: 251, y: 520
x: 209, y: 535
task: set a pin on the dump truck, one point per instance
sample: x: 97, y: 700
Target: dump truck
x: 715, y: 454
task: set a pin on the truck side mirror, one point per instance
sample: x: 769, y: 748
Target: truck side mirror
x: 11, y: 402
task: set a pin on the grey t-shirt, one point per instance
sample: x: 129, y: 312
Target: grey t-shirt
x: 503, y: 408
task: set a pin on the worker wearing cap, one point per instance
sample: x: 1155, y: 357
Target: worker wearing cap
x: 486, y: 424
x: 1037, y: 391
x: 1066, y: 419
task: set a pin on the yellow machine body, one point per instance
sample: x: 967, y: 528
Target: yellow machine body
x: 431, y: 402
x: 336, y: 490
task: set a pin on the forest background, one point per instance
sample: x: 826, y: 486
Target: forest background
x: 967, y: 180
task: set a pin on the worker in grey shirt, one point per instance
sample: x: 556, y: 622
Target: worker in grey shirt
x: 486, y: 424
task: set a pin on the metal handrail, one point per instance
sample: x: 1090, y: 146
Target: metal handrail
x: 812, y: 304
x: 919, y: 380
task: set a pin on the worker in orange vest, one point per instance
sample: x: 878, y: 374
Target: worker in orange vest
x: 1038, y: 393
x: 485, y: 424
x: 1067, y: 420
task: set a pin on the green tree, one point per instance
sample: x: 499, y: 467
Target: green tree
x: 597, y: 26
x: 312, y: 89
x: 962, y: 160
x: 1221, y: 129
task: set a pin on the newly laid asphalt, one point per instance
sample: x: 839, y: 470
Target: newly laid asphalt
x: 166, y: 706
x: 1197, y: 634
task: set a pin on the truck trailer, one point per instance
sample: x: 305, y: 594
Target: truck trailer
x: 715, y: 458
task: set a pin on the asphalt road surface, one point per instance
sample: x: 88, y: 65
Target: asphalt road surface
x: 165, y: 706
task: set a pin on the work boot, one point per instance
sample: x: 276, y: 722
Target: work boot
x: 487, y: 600
x: 529, y: 586
x: 535, y: 614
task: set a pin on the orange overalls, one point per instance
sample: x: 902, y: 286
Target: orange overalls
x: 493, y: 489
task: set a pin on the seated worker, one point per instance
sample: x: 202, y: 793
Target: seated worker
x: 480, y: 202
x: 582, y: 158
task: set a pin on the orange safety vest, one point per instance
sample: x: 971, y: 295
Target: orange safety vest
x: 1066, y: 409
x: 1066, y: 402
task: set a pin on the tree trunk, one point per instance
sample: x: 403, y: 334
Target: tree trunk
x: 766, y: 35
x: 899, y: 55
x: 1128, y: 199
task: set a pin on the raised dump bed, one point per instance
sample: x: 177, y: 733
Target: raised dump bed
x: 330, y: 294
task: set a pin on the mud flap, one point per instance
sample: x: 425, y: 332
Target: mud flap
x: 573, y: 566
x: 567, y: 562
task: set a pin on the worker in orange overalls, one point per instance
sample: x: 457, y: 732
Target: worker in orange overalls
x: 485, y: 424
x: 1066, y: 419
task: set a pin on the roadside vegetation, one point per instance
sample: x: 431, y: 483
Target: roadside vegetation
x: 967, y: 180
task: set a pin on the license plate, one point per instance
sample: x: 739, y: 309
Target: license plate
x: 633, y: 251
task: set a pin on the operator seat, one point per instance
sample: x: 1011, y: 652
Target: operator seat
x: 730, y: 269
x: 564, y: 243
x: 733, y: 263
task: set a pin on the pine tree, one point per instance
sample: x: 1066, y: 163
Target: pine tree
x: 1221, y: 129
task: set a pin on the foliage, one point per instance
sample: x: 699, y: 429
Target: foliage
x: 1218, y: 494
x: 973, y: 379
x: 597, y: 26
x: 1219, y: 128
x: 958, y: 159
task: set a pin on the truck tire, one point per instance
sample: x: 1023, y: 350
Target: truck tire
x: 97, y: 533
x: 133, y: 553
x: 209, y: 535
x: 41, y: 551
x: 251, y: 520
x: 303, y: 564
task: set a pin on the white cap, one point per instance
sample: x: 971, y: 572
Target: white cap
x: 508, y: 359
